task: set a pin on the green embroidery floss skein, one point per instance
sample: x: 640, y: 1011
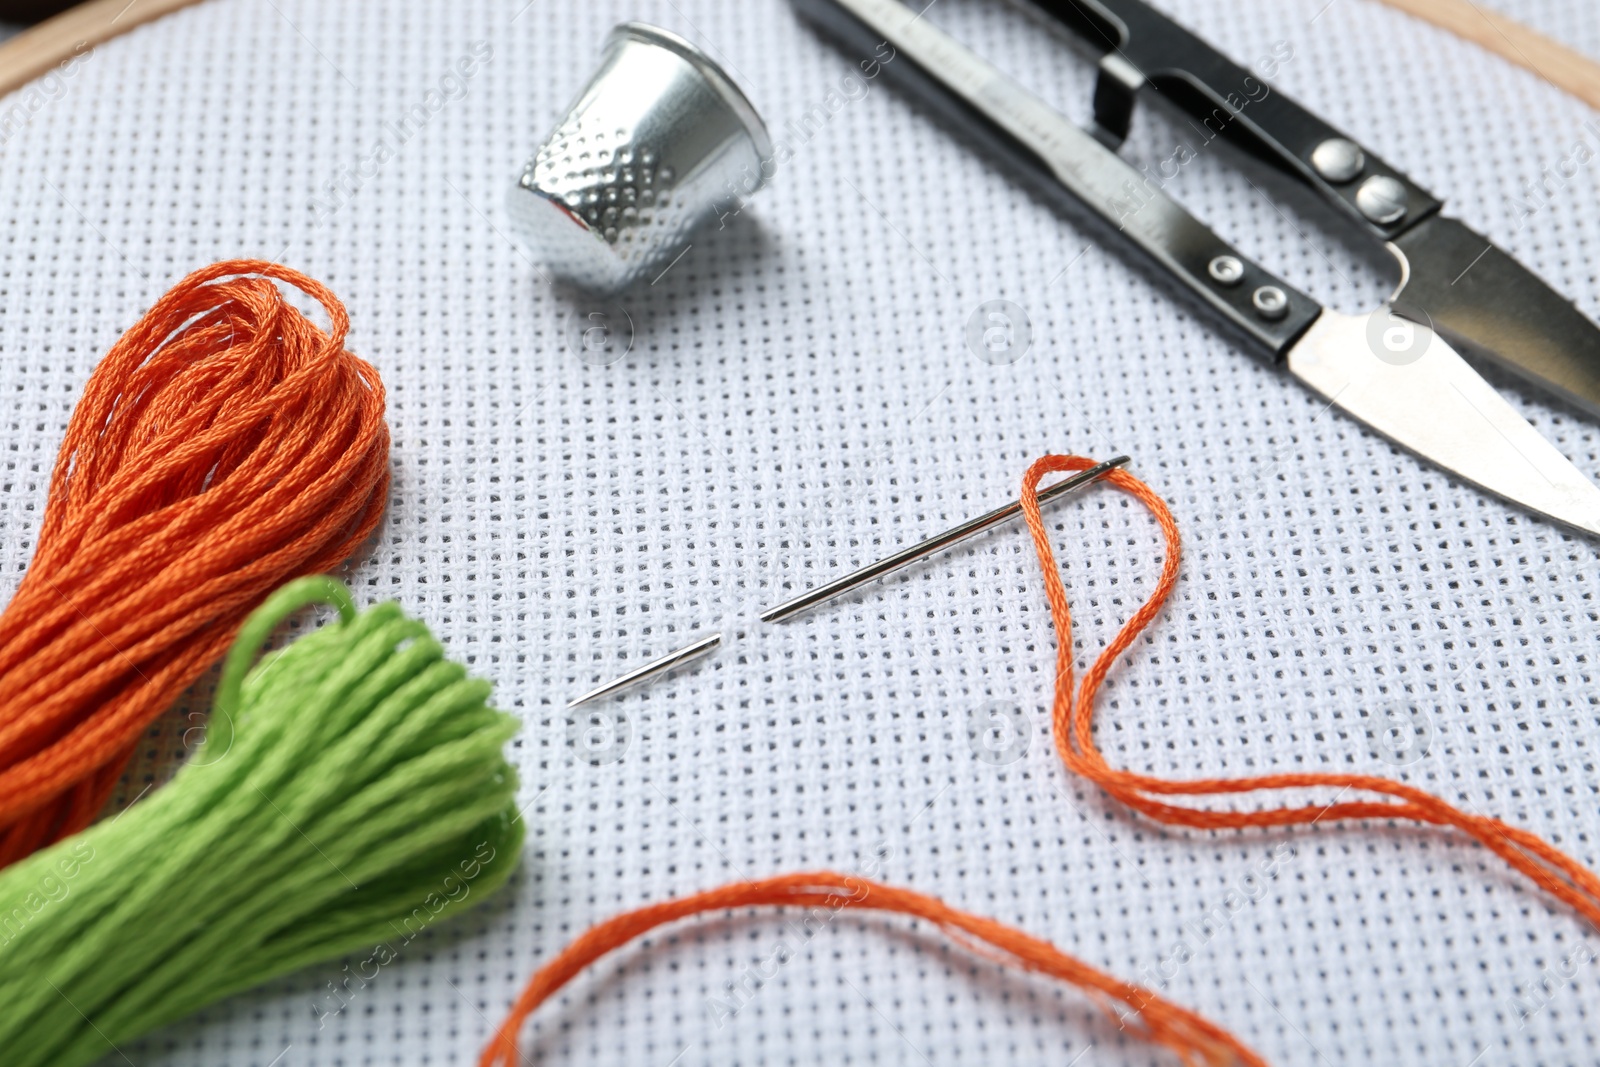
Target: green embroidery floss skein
x: 353, y: 789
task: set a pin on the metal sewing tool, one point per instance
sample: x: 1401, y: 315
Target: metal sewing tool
x: 672, y: 660
x: 660, y: 143
x: 837, y: 588
x: 1420, y: 394
x: 933, y: 545
x: 1453, y: 277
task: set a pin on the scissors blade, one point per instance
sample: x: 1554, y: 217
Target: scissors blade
x: 1434, y: 404
x: 1494, y: 308
x: 1424, y: 397
x: 1488, y: 305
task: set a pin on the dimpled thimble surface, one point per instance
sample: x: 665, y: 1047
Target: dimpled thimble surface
x: 660, y: 143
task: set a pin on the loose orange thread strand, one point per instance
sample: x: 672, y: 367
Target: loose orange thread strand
x: 1152, y: 1017
x: 1542, y: 863
x: 1195, y: 1040
x: 224, y: 445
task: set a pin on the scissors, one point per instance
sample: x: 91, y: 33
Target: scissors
x: 1456, y: 287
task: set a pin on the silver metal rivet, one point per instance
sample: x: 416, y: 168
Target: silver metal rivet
x: 1338, y: 159
x: 1271, y: 302
x: 1226, y: 270
x: 1382, y: 199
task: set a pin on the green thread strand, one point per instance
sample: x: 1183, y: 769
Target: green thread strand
x: 351, y: 792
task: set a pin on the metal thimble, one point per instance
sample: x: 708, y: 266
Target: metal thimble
x: 659, y: 144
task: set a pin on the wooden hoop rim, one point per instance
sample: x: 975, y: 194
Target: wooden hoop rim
x: 33, y: 52
x: 56, y: 40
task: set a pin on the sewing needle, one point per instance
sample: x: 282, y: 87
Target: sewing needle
x: 932, y: 545
x: 688, y: 654
x: 856, y: 579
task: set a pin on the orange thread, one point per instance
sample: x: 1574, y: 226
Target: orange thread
x: 1152, y: 1017
x: 224, y: 445
x: 1158, y: 1020
x: 1544, y: 864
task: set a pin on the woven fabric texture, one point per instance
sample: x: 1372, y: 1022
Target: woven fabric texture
x: 798, y: 396
x: 1572, y: 22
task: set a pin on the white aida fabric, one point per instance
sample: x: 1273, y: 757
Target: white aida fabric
x: 1574, y: 23
x: 799, y: 398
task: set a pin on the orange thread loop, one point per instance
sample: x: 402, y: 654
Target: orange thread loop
x: 1195, y: 1040
x: 1548, y: 867
x: 224, y: 445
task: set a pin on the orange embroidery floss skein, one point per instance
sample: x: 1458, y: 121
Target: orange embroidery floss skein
x: 1195, y: 1040
x: 223, y: 446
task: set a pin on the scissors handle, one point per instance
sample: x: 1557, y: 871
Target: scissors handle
x: 1066, y: 164
x: 1140, y: 46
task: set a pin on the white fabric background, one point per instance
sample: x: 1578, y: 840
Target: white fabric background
x: 799, y: 399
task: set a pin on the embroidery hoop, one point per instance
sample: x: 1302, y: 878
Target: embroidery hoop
x: 34, y: 51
